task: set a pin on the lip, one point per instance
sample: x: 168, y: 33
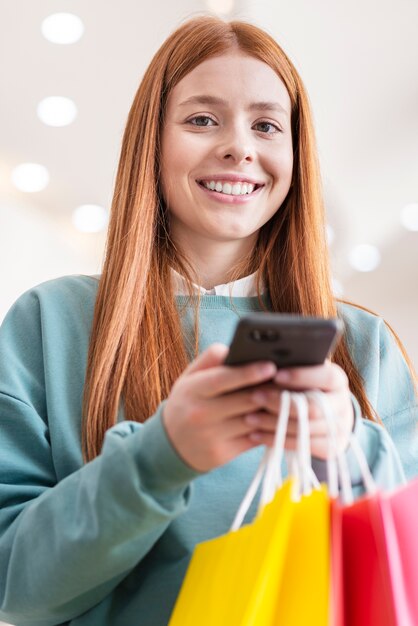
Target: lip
x: 229, y: 198
x: 233, y: 177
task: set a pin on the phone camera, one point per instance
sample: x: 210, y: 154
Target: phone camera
x: 265, y: 334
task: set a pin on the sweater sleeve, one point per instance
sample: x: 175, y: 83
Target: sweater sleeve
x: 65, y: 545
x: 392, y: 448
x: 397, y: 401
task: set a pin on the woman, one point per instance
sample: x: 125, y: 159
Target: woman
x: 217, y: 212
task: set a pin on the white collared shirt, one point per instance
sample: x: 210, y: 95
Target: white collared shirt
x: 242, y: 288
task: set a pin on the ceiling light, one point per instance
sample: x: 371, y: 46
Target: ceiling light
x: 62, y: 28
x: 90, y: 218
x: 56, y: 111
x: 222, y: 7
x: 30, y: 177
x: 364, y: 258
x: 409, y: 216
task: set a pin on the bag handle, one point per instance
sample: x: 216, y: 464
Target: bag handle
x: 337, y: 461
x: 269, y: 471
x: 272, y: 458
x: 299, y: 461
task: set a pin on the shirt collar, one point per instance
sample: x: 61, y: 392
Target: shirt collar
x: 242, y: 288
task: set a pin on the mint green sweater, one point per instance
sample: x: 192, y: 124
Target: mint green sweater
x: 108, y: 543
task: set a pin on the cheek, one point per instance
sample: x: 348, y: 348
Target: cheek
x: 176, y: 169
x: 282, y: 168
x: 181, y: 155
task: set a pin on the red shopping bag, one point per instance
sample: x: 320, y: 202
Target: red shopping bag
x: 400, y: 533
x: 379, y: 557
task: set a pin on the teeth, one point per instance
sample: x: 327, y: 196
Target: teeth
x: 229, y: 188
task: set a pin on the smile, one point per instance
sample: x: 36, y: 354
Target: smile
x: 230, y: 188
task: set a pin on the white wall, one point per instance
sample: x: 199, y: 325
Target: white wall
x: 392, y: 290
x: 35, y: 248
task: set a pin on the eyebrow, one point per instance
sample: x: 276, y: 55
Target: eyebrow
x: 254, y: 106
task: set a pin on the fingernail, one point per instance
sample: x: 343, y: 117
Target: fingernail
x: 282, y: 376
x: 252, y: 419
x: 267, y: 369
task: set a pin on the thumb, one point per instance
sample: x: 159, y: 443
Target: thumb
x: 212, y: 356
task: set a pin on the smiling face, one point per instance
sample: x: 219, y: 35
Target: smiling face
x: 227, y: 153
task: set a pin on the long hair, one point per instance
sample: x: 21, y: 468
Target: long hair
x: 137, y: 349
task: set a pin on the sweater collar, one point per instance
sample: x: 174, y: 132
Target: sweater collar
x: 242, y: 288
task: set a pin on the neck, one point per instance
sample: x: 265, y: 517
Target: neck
x: 214, y: 262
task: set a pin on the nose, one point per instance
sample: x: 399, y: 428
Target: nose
x: 236, y: 146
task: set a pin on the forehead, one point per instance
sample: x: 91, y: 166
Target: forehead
x: 235, y: 78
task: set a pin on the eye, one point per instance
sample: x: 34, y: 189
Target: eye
x: 201, y: 121
x: 267, y: 127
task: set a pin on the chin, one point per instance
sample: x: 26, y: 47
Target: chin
x: 233, y: 234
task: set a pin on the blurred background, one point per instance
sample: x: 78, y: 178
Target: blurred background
x: 69, y: 70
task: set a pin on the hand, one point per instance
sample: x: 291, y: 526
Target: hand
x: 330, y: 379
x: 205, y: 413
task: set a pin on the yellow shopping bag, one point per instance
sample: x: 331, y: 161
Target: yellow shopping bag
x: 234, y: 579
x: 273, y: 571
x: 304, y: 594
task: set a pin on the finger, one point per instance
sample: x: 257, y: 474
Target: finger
x: 262, y: 438
x: 326, y: 377
x: 266, y: 422
x: 242, y: 444
x: 319, y: 445
x: 269, y: 397
x: 237, y: 427
x: 260, y: 421
x: 226, y: 378
x: 211, y: 357
x: 340, y: 405
x: 236, y: 404
x: 316, y: 428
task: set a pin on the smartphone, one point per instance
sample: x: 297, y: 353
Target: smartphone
x: 287, y: 340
